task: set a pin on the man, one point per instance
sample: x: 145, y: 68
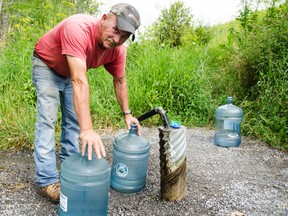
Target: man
x: 61, y: 59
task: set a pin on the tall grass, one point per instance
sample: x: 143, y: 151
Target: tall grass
x: 17, y: 99
x: 175, y: 79
x: 188, y: 82
x: 157, y: 76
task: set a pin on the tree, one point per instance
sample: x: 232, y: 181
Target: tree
x: 172, y: 23
x: 4, y: 20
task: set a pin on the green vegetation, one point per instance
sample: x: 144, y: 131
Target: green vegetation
x: 189, y: 71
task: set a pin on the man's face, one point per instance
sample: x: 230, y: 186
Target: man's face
x: 112, y: 36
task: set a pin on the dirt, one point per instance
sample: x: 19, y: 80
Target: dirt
x: 250, y: 180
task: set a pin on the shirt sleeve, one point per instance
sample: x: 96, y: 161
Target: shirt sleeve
x: 74, y: 41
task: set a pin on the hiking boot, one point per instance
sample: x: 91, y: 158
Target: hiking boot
x: 51, y: 192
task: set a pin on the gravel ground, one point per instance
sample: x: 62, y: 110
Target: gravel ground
x: 250, y: 180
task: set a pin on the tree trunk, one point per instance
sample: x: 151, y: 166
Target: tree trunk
x: 4, y: 22
x: 1, y: 1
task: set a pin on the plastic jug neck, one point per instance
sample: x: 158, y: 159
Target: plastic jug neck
x: 229, y: 100
x: 133, y: 129
x: 86, y: 154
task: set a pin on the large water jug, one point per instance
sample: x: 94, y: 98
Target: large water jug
x: 227, y: 125
x: 130, y: 162
x: 84, y: 186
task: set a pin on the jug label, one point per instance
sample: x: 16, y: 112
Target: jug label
x: 230, y: 125
x: 121, y: 170
x: 63, y: 202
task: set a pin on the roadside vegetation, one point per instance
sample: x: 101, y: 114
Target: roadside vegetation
x: 187, y: 68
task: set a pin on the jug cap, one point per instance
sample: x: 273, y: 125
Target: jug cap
x: 175, y: 124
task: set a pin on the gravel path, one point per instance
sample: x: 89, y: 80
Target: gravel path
x: 250, y: 180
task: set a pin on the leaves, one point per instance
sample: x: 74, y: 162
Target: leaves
x: 172, y: 23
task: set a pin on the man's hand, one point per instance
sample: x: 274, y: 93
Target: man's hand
x: 129, y: 119
x: 91, y: 139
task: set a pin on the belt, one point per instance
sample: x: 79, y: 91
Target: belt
x: 35, y: 54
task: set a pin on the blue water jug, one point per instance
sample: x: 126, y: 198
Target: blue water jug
x: 84, y: 186
x: 130, y: 162
x: 227, y: 125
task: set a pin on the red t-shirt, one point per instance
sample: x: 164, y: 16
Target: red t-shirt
x: 77, y: 36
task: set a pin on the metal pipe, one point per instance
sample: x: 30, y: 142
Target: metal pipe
x: 153, y: 112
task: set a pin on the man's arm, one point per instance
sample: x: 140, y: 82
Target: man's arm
x: 121, y: 92
x: 81, y: 97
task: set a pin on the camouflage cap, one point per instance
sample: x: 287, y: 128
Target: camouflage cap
x: 128, y: 18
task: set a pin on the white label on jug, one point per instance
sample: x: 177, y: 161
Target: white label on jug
x: 63, y: 202
x: 121, y: 170
x: 228, y: 125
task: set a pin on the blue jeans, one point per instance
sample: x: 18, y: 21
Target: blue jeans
x: 51, y: 87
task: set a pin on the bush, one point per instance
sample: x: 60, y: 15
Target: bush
x: 263, y: 48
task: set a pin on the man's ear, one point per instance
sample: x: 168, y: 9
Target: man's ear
x: 104, y: 16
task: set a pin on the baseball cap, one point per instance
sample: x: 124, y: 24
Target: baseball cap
x: 128, y: 18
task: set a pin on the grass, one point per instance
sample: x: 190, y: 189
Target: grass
x: 188, y: 82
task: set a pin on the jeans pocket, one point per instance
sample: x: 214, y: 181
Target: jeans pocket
x: 39, y: 70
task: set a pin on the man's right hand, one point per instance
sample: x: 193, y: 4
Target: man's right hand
x: 93, y: 140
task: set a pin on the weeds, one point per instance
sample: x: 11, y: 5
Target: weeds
x: 189, y: 82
